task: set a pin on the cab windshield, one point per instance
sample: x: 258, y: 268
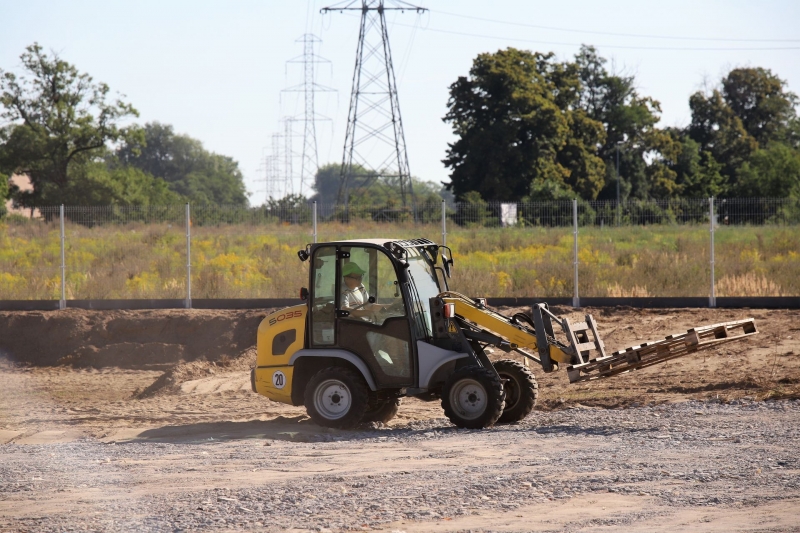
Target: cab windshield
x: 424, y: 287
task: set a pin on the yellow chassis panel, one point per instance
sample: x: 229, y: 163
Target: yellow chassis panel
x: 283, y: 330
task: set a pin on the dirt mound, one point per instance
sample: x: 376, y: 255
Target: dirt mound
x: 172, y: 379
x: 146, y: 339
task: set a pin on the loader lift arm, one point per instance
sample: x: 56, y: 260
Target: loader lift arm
x: 578, y: 344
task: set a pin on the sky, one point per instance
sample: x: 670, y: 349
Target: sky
x: 217, y: 70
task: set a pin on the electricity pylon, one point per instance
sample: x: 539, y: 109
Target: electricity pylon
x: 374, y: 139
x: 309, y: 162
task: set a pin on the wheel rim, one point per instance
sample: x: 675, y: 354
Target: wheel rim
x: 332, y: 399
x: 469, y: 398
x: 511, y: 389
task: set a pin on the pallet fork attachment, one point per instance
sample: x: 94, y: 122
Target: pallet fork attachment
x: 671, y: 347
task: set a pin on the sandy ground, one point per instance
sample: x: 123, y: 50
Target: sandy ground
x: 85, y: 381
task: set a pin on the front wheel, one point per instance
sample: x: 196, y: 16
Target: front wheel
x: 336, y: 397
x: 472, y: 397
x: 520, y: 387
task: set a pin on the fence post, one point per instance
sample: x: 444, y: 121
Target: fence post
x: 444, y: 223
x: 712, y: 299
x: 188, y: 303
x: 314, y: 216
x: 576, y: 300
x: 62, y: 303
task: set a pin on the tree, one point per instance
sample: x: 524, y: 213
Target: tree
x: 717, y: 130
x: 291, y: 208
x: 515, y: 121
x: 763, y: 104
x: 188, y: 168
x: 5, y: 191
x: 382, y: 192
x: 772, y: 172
x: 60, y: 122
x: 629, y: 121
x: 750, y: 112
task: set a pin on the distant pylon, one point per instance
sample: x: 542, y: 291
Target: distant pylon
x: 309, y: 161
x: 276, y: 182
x: 374, y: 139
x: 288, y: 156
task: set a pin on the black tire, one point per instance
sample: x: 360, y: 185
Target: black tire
x: 520, y: 387
x: 336, y: 397
x: 472, y: 397
x: 381, y: 409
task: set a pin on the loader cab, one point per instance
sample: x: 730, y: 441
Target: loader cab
x: 370, y: 298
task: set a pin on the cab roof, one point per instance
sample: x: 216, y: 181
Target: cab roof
x: 409, y: 243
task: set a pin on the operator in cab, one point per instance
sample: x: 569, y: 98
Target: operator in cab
x: 355, y: 297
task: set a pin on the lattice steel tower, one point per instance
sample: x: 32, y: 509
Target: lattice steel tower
x: 309, y: 162
x: 374, y: 139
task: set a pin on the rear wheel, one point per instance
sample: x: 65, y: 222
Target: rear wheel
x: 520, y: 387
x: 336, y: 397
x: 472, y: 397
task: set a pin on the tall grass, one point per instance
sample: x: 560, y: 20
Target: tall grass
x: 137, y: 260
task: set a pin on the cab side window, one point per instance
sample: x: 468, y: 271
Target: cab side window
x: 324, y: 295
x: 369, y: 289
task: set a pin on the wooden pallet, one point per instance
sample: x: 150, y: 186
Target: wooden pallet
x: 671, y: 347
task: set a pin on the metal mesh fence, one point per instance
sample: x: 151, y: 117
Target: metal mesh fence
x: 655, y: 248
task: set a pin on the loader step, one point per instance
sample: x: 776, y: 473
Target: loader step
x: 654, y: 352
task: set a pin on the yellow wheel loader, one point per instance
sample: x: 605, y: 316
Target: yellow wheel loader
x: 380, y: 323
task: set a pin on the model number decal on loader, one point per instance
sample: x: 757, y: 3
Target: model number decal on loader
x: 279, y: 379
x: 285, y: 316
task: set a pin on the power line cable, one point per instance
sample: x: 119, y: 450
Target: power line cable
x: 615, y: 34
x: 617, y: 46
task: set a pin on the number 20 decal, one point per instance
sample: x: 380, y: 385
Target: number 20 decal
x: 285, y: 316
x: 279, y: 379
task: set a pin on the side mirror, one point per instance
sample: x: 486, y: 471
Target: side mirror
x: 446, y: 263
x: 302, y: 254
x: 303, y: 293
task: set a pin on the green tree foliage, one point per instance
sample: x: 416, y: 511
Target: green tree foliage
x: 60, y: 122
x: 771, y: 172
x: 292, y: 208
x: 763, y: 104
x: 629, y: 121
x: 365, y: 191
x: 5, y: 192
x: 697, y: 173
x: 748, y: 127
x: 188, y: 168
x: 97, y: 184
x: 516, y: 121
x: 717, y: 130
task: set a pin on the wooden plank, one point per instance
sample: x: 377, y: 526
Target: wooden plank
x: 578, y: 327
x: 586, y: 346
x: 601, y: 347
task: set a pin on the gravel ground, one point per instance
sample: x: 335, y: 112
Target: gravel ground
x: 664, y: 463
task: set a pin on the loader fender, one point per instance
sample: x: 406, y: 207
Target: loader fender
x: 350, y: 357
x: 435, y: 363
x: 280, y: 335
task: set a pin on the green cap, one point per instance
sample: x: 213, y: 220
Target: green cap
x: 352, y: 268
